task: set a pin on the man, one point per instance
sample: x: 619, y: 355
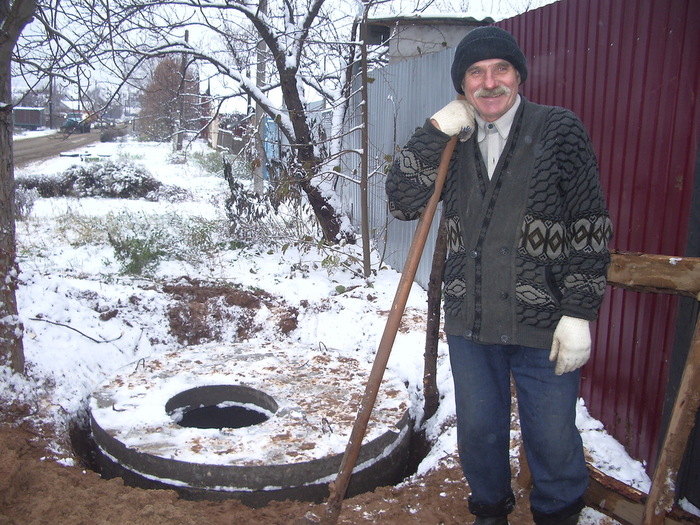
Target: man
x: 527, y: 230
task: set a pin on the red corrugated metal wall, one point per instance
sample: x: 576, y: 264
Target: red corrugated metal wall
x: 631, y: 71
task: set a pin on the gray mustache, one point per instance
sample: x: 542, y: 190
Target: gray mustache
x: 495, y: 92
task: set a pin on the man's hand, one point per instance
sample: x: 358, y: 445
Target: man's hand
x: 457, y: 117
x: 571, y: 346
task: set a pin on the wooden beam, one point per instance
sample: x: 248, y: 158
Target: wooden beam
x: 624, y: 503
x: 673, y: 275
x: 655, y: 273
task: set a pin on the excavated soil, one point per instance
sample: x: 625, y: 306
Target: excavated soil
x: 35, y: 490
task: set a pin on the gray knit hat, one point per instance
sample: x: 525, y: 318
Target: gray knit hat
x: 484, y: 43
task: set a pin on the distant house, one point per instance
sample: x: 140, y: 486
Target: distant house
x: 412, y: 36
x: 28, y: 117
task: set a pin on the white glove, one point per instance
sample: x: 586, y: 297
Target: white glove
x: 571, y: 346
x: 456, y: 117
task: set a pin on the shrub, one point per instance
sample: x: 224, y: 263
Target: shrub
x: 211, y: 162
x: 46, y: 186
x: 273, y: 217
x: 113, y: 134
x: 123, y: 180
x: 24, y: 202
x: 140, y: 242
x: 138, y: 255
x: 170, y: 193
x: 112, y: 179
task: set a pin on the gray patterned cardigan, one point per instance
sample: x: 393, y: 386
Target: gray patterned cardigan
x: 525, y: 247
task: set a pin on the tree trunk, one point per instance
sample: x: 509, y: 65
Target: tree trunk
x: 330, y: 220
x: 259, y: 136
x: 13, y: 17
x: 181, y: 94
x: 11, y: 349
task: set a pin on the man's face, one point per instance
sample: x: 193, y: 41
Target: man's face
x: 491, y: 86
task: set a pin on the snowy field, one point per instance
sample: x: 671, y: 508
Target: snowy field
x: 68, y: 285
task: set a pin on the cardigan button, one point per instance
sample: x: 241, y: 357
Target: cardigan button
x: 504, y: 339
x: 473, y: 254
x: 468, y: 334
x: 505, y: 251
x: 504, y: 295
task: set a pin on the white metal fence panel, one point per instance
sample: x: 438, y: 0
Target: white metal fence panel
x: 401, y: 96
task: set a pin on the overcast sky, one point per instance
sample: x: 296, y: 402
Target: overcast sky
x: 479, y: 9
x: 496, y: 9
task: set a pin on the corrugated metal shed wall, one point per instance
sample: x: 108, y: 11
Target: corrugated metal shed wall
x: 631, y: 71
x: 398, y: 103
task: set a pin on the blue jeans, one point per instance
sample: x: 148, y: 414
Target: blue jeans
x: 547, y: 409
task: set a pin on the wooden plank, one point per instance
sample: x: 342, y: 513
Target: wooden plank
x: 614, y: 498
x: 655, y: 273
x: 624, y: 503
x: 658, y: 274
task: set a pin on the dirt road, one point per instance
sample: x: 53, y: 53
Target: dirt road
x: 39, y: 148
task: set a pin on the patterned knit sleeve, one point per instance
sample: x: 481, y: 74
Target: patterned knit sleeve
x: 587, y: 223
x: 411, y: 179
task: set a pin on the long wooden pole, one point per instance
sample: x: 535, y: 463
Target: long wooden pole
x: 352, y: 451
x: 662, y: 493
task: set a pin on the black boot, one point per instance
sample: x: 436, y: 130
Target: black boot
x: 566, y: 516
x: 492, y: 514
x: 571, y: 520
x: 498, y: 520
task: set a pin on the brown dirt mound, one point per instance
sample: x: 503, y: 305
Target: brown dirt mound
x: 35, y: 490
x: 200, y: 311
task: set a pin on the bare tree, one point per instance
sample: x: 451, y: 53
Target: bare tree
x: 310, y: 56
x: 309, y: 52
x: 168, y: 101
x: 294, y: 60
x: 14, y: 16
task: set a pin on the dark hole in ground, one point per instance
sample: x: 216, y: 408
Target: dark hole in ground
x: 234, y: 416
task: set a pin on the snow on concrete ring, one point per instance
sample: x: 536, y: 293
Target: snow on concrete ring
x: 303, y: 403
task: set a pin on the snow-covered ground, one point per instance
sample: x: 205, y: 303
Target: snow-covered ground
x: 67, y: 286
x: 27, y: 134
